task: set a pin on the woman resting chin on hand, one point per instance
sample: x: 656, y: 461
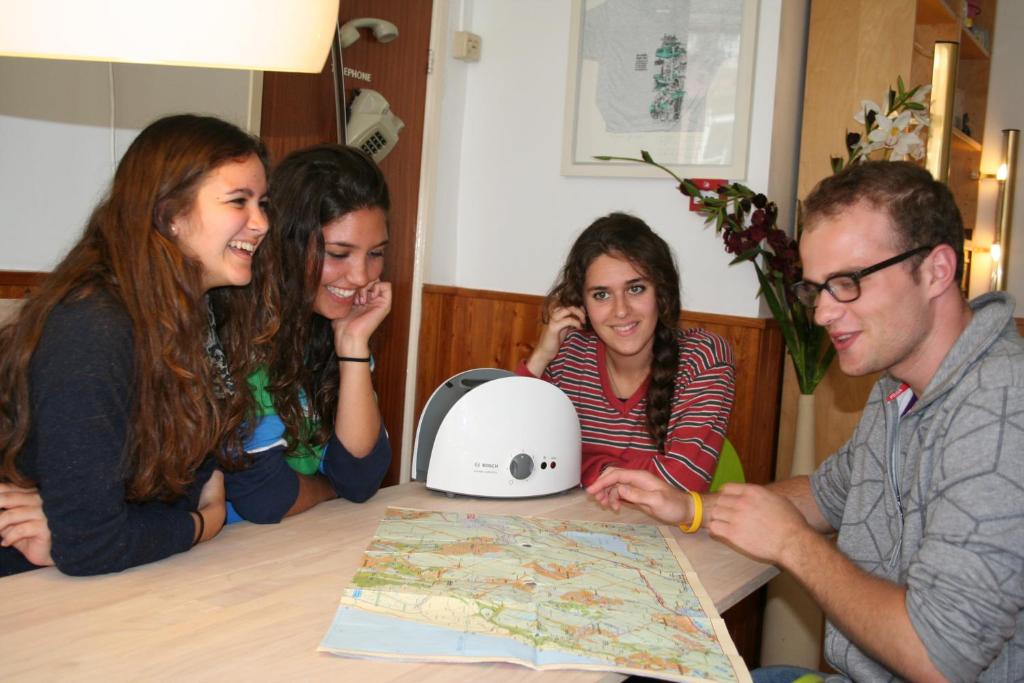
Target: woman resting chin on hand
x: 320, y: 435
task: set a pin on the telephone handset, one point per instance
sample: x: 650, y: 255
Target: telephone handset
x: 384, y: 31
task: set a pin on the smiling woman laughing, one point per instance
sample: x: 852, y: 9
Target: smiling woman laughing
x: 117, y: 395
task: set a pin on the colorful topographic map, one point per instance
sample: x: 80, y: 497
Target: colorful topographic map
x: 543, y: 593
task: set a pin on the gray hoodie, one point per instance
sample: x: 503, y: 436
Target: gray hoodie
x: 935, y: 501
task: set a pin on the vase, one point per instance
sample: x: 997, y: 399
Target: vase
x: 803, y: 442
x: 792, y: 620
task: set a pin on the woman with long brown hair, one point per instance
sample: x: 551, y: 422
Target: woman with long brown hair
x: 319, y: 433
x: 649, y: 396
x: 117, y: 396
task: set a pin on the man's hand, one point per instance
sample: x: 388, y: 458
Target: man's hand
x: 23, y: 525
x: 757, y: 522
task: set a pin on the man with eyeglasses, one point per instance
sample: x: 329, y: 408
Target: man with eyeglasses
x: 926, y: 578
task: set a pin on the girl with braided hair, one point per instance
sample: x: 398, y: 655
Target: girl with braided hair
x: 648, y: 395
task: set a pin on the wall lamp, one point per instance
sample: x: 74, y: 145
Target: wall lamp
x: 940, y: 109
x: 265, y: 35
x: 1007, y: 178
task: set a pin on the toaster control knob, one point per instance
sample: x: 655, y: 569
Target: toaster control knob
x: 522, y: 466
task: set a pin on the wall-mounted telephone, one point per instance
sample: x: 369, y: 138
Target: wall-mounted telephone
x: 371, y: 125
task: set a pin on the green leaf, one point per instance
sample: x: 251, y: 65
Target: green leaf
x: 779, y: 313
x: 916, y: 106
x: 748, y: 255
x: 899, y: 85
x: 646, y: 156
x: 689, y: 188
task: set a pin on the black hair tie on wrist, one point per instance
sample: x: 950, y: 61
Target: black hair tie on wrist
x: 202, y: 528
x: 352, y: 359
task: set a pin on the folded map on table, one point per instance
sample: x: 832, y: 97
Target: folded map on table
x: 543, y: 593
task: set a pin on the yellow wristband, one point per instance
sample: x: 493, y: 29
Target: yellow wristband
x: 698, y: 514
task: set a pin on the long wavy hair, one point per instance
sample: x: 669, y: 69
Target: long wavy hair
x: 129, y: 252
x: 623, y: 236
x: 309, y: 189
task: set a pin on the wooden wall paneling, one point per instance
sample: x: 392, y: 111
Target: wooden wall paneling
x: 298, y: 110
x: 464, y: 329
x: 754, y: 421
x: 17, y: 284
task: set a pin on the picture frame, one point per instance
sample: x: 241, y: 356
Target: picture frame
x: 675, y: 80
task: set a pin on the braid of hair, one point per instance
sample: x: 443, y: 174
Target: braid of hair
x: 664, y: 363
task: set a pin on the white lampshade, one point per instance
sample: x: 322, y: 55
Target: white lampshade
x: 265, y: 35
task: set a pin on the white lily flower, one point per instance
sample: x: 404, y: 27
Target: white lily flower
x: 921, y: 116
x: 889, y: 129
x: 895, y: 134
x: 921, y: 96
x: 866, y: 106
x: 907, y: 144
x: 867, y: 147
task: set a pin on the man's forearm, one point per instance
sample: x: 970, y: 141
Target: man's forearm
x: 870, y: 611
x: 797, y: 490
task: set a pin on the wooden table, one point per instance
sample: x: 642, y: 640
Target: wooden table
x: 254, y: 603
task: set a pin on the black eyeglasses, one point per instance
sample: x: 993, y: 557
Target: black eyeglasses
x: 845, y: 287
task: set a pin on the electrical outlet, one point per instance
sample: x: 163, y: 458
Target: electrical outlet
x: 467, y: 46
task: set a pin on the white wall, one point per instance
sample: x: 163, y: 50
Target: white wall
x: 1005, y: 110
x: 56, y: 157
x: 505, y: 217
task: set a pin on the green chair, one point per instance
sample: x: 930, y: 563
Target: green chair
x: 729, y: 468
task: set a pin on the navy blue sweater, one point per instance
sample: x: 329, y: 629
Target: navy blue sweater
x: 82, y: 384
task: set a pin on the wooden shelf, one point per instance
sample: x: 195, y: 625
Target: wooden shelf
x: 966, y: 139
x: 935, y: 12
x: 970, y: 47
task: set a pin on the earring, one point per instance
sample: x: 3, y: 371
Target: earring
x: 174, y: 230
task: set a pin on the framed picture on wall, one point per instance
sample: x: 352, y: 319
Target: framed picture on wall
x: 672, y: 77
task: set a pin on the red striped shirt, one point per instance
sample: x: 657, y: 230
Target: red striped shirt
x: 614, y: 432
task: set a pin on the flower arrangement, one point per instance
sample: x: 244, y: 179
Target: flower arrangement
x: 894, y: 133
x: 746, y: 221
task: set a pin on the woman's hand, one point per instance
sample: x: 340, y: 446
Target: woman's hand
x: 212, y: 506
x: 369, y: 308
x: 652, y: 494
x: 23, y: 524
x: 562, y: 319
